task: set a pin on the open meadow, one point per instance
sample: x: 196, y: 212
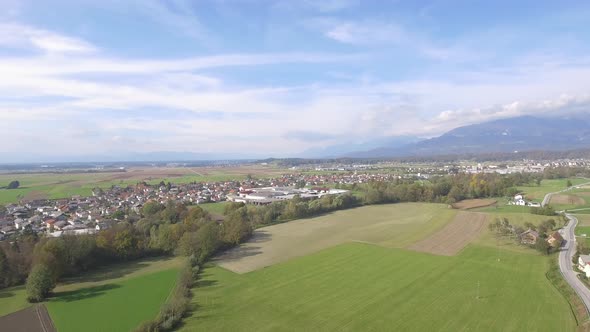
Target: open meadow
x: 353, y: 270
x: 114, y: 298
x: 392, y: 225
x: 13, y: 299
x: 363, y: 287
x: 537, y: 193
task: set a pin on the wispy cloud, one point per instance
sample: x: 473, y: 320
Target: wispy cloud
x: 22, y: 36
x: 389, y: 34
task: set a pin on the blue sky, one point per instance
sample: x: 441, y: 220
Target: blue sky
x: 278, y: 77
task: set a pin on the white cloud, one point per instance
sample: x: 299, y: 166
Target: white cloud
x: 23, y: 36
x: 208, y: 114
x: 365, y: 33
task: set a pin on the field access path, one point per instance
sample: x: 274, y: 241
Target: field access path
x: 565, y: 261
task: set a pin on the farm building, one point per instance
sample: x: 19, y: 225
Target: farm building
x: 555, y: 239
x: 584, y: 264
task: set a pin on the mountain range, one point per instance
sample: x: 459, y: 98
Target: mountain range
x: 525, y: 133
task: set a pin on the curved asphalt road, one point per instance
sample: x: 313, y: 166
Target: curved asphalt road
x: 568, y: 250
x: 565, y: 261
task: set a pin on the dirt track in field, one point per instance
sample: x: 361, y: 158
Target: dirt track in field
x: 473, y: 203
x: 32, y: 319
x: 567, y: 199
x: 450, y: 240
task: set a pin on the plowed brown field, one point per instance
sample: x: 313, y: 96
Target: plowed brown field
x: 567, y: 199
x: 466, y: 227
x: 467, y: 204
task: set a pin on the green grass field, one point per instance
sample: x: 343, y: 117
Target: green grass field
x: 502, y: 207
x: 216, y: 208
x: 12, y: 299
x: 580, y: 230
x: 388, y: 225
x: 537, y: 193
x: 362, y: 287
x: 114, y: 306
x: 117, y: 297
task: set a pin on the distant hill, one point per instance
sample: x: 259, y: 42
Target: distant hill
x: 352, y: 147
x: 526, y: 133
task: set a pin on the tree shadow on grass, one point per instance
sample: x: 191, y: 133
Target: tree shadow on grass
x: 260, y: 236
x: 205, y: 283
x: 237, y: 253
x: 84, y: 293
x: 112, y: 271
x: 10, y: 292
x: 5, y: 294
x: 106, y: 273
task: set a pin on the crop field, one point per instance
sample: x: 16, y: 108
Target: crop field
x: 465, y: 227
x: 63, y: 185
x: 467, y: 204
x: 393, y: 225
x: 583, y: 220
x: 363, y: 287
x: 572, y: 200
x: 566, y: 199
x: 537, y: 193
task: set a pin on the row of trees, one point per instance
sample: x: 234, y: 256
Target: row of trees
x: 446, y: 189
x: 164, y: 229
x: 544, y: 210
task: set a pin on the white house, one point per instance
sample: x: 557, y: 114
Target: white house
x: 518, y: 197
x: 584, y: 264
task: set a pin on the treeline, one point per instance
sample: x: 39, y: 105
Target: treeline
x: 445, y: 189
x: 565, y: 172
x: 163, y: 229
x: 544, y: 210
x: 176, y: 306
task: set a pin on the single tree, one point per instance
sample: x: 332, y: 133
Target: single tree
x: 39, y: 283
x: 542, y: 246
x: 569, y: 183
x: 13, y: 184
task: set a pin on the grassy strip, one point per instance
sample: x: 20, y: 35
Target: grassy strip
x: 177, y: 304
x: 576, y: 305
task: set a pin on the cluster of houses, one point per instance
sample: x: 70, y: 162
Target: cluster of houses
x: 530, y: 237
x: 83, y: 215
x: 267, y: 195
x: 520, y: 200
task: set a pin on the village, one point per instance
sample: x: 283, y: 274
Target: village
x: 106, y: 207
